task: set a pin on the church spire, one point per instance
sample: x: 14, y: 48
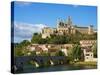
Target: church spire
x: 58, y: 20
x: 69, y: 22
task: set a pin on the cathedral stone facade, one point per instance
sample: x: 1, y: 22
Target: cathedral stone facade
x: 67, y: 27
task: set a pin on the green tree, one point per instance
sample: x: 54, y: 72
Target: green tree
x: 33, y: 53
x: 60, y: 53
x: 20, y: 49
x: 45, y: 54
x: 25, y: 43
x: 18, y: 52
x: 75, y: 52
x: 59, y: 39
x: 94, y: 48
x: 42, y: 41
x: 36, y: 38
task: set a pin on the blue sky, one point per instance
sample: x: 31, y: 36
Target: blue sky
x: 34, y: 16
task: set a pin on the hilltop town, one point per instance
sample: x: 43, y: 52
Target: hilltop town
x: 66, y: 27
x: 64, y: 40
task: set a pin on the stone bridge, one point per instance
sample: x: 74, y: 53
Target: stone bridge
x: 39, y: 61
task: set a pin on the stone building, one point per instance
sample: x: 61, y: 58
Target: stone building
x: 66, y: 27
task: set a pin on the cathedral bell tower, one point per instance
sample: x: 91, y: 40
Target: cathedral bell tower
x: 69, y: 21
x: 58, y: 20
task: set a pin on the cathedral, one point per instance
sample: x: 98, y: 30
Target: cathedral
x: 67, y: 27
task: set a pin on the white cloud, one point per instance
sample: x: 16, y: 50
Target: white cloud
x: 24, y: 31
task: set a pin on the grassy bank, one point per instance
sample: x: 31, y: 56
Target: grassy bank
x: 90, y: 63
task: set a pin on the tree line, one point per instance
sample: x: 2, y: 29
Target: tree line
x: 62, y: 39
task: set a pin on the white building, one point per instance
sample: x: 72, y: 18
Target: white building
x: 88, y: 55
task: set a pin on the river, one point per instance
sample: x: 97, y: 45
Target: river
x: 31, y: 69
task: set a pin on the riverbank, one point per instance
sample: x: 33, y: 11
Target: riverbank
x: 89, y: 63
x: 30, y: 69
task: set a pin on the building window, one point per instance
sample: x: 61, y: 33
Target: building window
x: 86, y: 57
x: 87, y: 54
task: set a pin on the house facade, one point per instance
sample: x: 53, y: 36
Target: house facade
x: 86, y: 46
